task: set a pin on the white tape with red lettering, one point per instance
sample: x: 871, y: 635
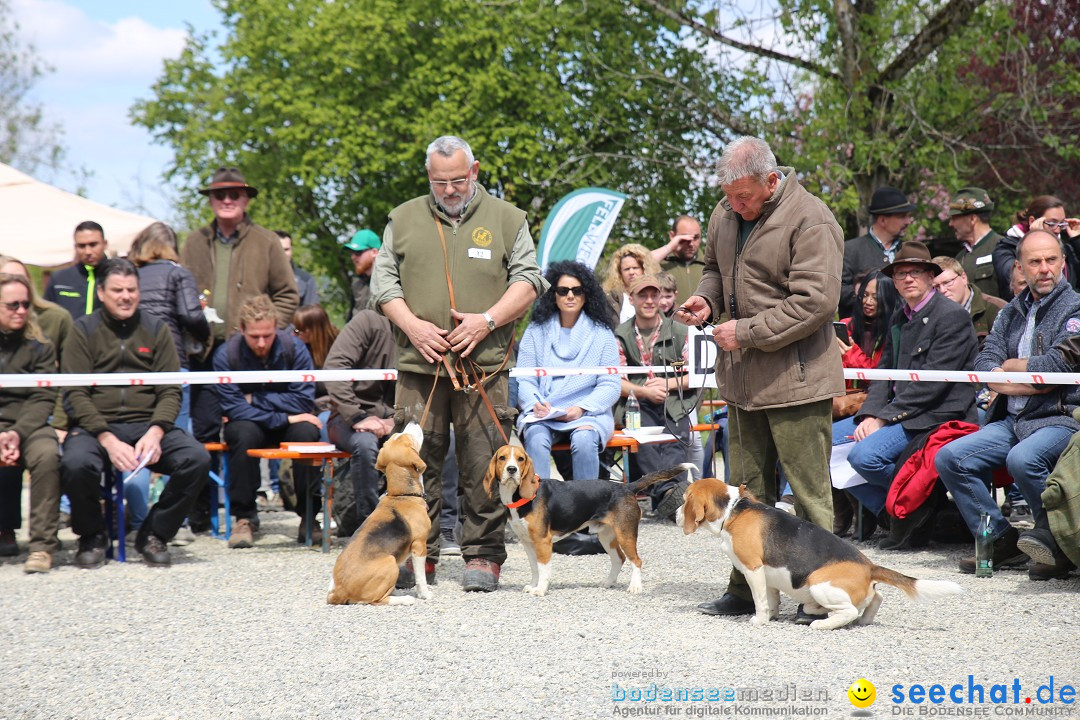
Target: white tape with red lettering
x: 308, y: 376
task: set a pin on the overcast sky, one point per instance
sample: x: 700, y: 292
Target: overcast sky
x: 105, y: 54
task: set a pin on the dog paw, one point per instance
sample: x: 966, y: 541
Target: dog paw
x: 401, y: 600
x: 536, y: 591
x: 425, y: 595
x: 529, y: 588
x: 758, y: 620
x: 634, y: 588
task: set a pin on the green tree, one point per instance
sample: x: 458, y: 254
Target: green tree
x: 327, y: 108
x: 27, y: 140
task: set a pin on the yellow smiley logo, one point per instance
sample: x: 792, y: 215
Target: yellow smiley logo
x: 481, y: 237
x: 862, y: 693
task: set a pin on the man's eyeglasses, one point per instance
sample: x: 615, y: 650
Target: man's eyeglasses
x: 15, y: 305
x: 233, y: 195
x: 1055, y: 224
x: 563, y: 291
x: 446, y: 184
x: 901, y: 274
x: 941, y: 284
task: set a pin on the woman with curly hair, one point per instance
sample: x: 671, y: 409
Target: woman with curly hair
x: 571, y: 327
x: 629, y: 262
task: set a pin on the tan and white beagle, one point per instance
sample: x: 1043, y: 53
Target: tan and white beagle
x: 778, y: 552
x: 540, y: 510
x: 367, y: 569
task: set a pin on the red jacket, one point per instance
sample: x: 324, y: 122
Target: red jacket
x: 915, y: 479
x: 856, y: 358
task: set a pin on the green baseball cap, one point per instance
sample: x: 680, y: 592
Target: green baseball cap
x: 970, y: 200
x: 363, y: 240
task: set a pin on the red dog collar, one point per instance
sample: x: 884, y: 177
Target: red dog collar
x: 524, y: 501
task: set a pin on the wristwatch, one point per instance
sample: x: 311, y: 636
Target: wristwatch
x: 490, y: 322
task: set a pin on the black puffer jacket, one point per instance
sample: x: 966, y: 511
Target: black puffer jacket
x: 167, y: 291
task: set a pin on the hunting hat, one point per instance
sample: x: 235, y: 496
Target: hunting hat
x: 889, y: 201
x: 639, y: 284
x: 913, y: 252
x: 226, y: 178
x: 363, y: 240
x: 970, y: 200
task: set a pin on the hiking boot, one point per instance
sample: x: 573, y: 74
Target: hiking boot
x: 482, y: 575
x: 1057, y: 570
x: 183, y: 537
x: 804, y: 618
x: 153, y: 549
x: 727, y: 605
x: 91, y: 552
x: 1039, y: 545
x: 407, y: 578
x: 316, y: 532
x: 38, y: 562
x: 843, y: 513
x: 447, y: 544
x: 8, y: 546
x: 1006, y: 554
x: 243, y: 534
x: 787, y: 504
x: 672, y: 500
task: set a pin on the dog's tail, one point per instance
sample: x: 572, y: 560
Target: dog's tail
x: 660, y: 476
x: 913, y: 588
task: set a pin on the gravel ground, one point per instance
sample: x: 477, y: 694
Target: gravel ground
x: 247, y: 634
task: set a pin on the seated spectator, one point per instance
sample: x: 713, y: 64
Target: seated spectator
x: 1054, y: 543
x: 953, y: 284
x: 1028, y: 425
x: 54, y: 323
x: 650, y: 339
x: 26, y: 440
x: 630, y: 261
x: 260, y: 415
x: 930, y: 332
x: 123, y: 426
x: 1044, y: 212
x: 362, y: 413
x: 312, y: 325
x: 571, y: 327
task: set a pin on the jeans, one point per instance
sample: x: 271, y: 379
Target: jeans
x: 585, y: 449
x: 966, y: 466
x: 366, y: 480
x: 137, y: 497
x: 874, y: 457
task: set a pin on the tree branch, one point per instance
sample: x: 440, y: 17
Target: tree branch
x: 719, y: 37
x: 939, y: 28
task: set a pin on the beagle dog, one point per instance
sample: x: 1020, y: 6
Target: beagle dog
x: 777, y: 551
x: 367, y: 569
x: 540, y: 510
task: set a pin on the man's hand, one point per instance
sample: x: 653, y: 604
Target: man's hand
x: 694, y: 311
x: 1017, y: 389
x: 654, y: 390
x: 471, y: 329
x: 121, y: 455
x: 428, y: 338
x: 305, y: 417
x: 149, y: 445
x: 9, y: 447
x: 374, y: 425
x: 868, y: 427
x: 724, y: 334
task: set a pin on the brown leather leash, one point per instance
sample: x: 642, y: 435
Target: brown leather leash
x: 473, y: 377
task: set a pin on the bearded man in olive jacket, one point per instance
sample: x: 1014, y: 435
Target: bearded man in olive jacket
x: 457, y: 267
x: 772, y: 262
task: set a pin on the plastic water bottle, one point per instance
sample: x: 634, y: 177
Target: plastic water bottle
x: 984, y: 548
x: 156, y: 486
x: 632, y: 420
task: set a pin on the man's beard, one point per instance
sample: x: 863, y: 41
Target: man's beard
x: 456, y: 207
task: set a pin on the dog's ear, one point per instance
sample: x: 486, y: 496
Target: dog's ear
x: 492, y: 471
x: 419, y: 465
x: 382, y: 459
x: 529, y: 483
x: 693, y: 511
x: 744, y: 492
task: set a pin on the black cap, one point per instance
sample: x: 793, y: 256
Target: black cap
x: 889, y: 201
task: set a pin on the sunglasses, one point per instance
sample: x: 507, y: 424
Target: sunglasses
x: 13, y: 306
x: 230, y: 194
x: 563, y: 291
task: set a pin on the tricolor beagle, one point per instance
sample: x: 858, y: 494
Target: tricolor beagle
x: 367, y: 569
x: 541, y: 510
x: 777, y: 551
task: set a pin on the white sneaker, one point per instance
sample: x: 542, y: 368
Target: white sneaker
x: 183, y: 537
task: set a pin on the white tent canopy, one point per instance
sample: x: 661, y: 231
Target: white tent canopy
x: 37, y: 221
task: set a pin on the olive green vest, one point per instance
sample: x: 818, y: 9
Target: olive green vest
x: 667, y: 349
x: 981, y: 274
x: 478, y: 252
x: 687, y: 274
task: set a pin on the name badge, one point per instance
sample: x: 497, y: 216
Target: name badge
x: 480, y: 253
x: 984, y: 259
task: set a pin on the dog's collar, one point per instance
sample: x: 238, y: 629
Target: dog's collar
x: 524, y: 501
x: 419, y: 495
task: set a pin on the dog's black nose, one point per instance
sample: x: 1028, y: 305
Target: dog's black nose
x: 511, y: 470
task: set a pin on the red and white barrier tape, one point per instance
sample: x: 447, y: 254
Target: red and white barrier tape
x: 307, y: 376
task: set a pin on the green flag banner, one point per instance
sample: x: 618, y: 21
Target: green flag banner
x: 578, y: 226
